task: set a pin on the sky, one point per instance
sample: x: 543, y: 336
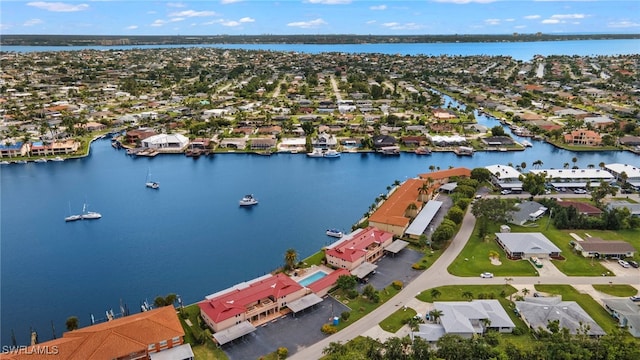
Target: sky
x: 290, y: 17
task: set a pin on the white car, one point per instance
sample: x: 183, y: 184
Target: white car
x: 486, y: 275
x: 623, y: 263
x: 579, y: 191
x: 505, y: 192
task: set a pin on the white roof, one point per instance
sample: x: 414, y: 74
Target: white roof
x: 167, y: 139
x: 423, y: 219
x: 506, y: 172
x: 631, y: 171
x: 576, y: 174
x: 293, y: 141
x: 527, y: 243
x: 458, y: 316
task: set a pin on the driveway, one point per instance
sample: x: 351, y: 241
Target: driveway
x: 615, y: 268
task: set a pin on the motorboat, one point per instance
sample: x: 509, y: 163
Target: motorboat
x: 57, y: 158
x: 526, y: 143
x: 316, y: 153
x: 41, y: 160
x: 335, y: 233
x: 73, y: 218
x: 423, y: 151
x: 331, y: 154
x: 152, y: 185
x: 21, y: 162
x: 248, y: 200
x: 4, y: 162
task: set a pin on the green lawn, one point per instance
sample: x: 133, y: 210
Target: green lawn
x: 208, y: 350
x: 361, y: 306
x: 616, y: 290
x: 474, y: 259
x: 588, y: 304
x: 395, y: 321
x: 315, y: 259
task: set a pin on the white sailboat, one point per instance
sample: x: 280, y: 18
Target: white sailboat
x: 151, y: 184
x: 72, y: 217
x: 89, y: 215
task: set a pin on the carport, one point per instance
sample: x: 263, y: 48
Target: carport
x: 396, y: 246
x: 424, y: 218
x: 234, y: 332
x: 363, y: 270
x: 304, y: 303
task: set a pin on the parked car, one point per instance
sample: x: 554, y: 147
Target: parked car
x: 505, y: 192
x: 633, y: 263
x: 486, y: 275
x: 623, y: 263
x: 579, y: 191
x: 635, y: 298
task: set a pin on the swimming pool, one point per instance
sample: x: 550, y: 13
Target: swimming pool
x: 312, y: 278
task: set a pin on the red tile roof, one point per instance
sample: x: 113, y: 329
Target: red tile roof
x: 445, y: 174
x: 356, y: 247
x: 110, y: 340
x: 237, y: 301
x: 393, y: 209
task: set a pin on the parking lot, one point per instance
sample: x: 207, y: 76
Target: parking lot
x: 292, y: 332
x: 614, y: 267
x: 394, y: 267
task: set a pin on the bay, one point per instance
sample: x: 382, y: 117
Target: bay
x: 524, y: 51
x: 190, y: 236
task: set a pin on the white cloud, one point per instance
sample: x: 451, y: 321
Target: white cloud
x: 217, y: 21
x: 519, y: 26
x: 399, y: 26
x: 176, y: 19
x: 623, y: 24
x: 176, y: 5
x: 131, y: 27
x: 308, y: 24
x: 568, y: 16
x: 378, y: 7
x: 192, y: 13
x: 230, y: 23
x: 158, y: 23
x: 465, y: 1
x: 5, y: 26
x: 370, y: 22
x: 532, y: 17
x: 509, y: 20
x: 58, y: 6
x: 330, y: 2
x: 550, y: 21
x: 224, y: 2
x: 32, y: 22
x: 492, y: 21
x: 247, y: 20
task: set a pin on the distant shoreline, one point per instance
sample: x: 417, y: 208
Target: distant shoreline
x: 116, y: 40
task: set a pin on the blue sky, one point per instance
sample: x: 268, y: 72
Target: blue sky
x: 283, y: 17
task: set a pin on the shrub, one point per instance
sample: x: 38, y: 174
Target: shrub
x: 418, y: 266
x: 345, y: 315
x: 519, y: 331
x: 283, y: 352
x: 328, y: 329
x: 397, y: 284
x: 352, y: 293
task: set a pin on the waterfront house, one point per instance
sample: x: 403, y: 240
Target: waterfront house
x: 263, y: 143
x: 392, y: 215
x: 583, y: 137
x: 466, y: 319
x: 325, y: 141
x: 153, y: 334
x: 505, y: 177
x: 599, y: 248
x: 9, y: 150
x: 55, y: 148
x: 538, y: 312
x: 632, y: 173
x: 166, y: 142
x: 360, y: 247
x: 629, y: 140
x: 526, y: 245
x: 256, y: 302
x: 575, y: 178
x: 380, y: 141
x: 137, y: 135
x: 626, y: 313
x: 444, y: 176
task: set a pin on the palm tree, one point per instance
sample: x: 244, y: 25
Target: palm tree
x: 537, y: 164
x: 566, y: 165
x: 467, y: 295
x: 411, y: 211
x: 290, y: 258
x: 601, y: 165
x: 525, y: 291
x: 494, y: 254
x: 335, y: 348
x: 574, y: 160
x: 435, y: 315
x: 72, y: 323
x: 431, y: 168
x: 435, y: 293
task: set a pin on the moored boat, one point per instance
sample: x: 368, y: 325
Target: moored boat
x: 331, y: 154
x: 317, y: 153
x: 423, y: 151
x: 334, y: 233
x: 57, y: 158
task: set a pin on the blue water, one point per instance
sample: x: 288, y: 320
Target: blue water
x: 312, y: 278
x: 524, y: 51
x: 190, y: 236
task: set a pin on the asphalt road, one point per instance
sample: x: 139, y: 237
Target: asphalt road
x: 437, y: 275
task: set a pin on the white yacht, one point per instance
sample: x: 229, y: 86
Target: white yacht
x: 316, y: 153
x: 57, y: 158
x: 248, y: 200
x: 331, y: 154
x: 335, y: 233
x: 73, y: 218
